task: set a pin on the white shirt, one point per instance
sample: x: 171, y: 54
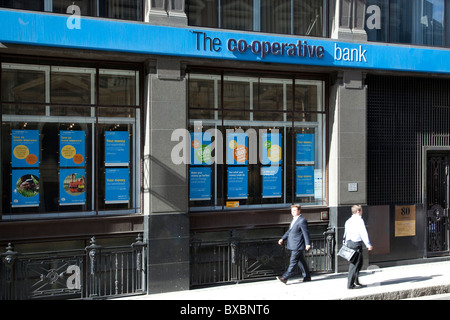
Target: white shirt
x: 293, y: 221
x: 356, y: 231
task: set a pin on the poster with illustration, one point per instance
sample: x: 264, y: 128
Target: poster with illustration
x: 271, y: 149
x: 24, y: 148
x: 237, y: 148
x: 201, y: 148
x: 71, y: 148
x: 117, y: 188
x: 25, y: 188
x: 72, y: 187
x: 117, y: 148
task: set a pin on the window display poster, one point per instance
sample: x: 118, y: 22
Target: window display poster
x: 237, y: 148
x: 71, y: 148
x: 117, y: 188
x: 199, y: 183
x: 201, y: 148
x: 271, y: 182
x: 117, y: 148
x: 271, y: 148
x: 25, y: 188
x: 237, y: 183
x: 305, y: 181
x: 72, y: 185
x: 24, y: 148
x: 305, y: 148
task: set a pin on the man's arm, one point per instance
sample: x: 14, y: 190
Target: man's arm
x: 305, y: 231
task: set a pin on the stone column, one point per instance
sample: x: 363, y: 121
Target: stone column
x: 165, y: 183
x: 347, y: 181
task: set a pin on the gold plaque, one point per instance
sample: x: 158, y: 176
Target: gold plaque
x: 405, y: 221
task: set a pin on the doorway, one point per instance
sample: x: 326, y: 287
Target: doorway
x: 437, y: 202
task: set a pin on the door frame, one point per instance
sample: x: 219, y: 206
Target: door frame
x: 426, y: 150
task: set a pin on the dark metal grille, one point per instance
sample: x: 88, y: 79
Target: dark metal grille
x: 91, y: 273
x: 403, y: 115
x: 237, y: 260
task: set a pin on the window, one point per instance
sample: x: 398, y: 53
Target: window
x: 68, y: 149
x: 301, y: 17
x: 421, y: 22
x: 256, y: 140
x: 118, y: 9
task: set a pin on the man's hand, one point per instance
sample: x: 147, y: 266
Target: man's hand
x: 280, y: 242
x: 307, y: 247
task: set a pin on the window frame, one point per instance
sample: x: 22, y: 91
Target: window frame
x: 219, y: 171
x: 91, y: 119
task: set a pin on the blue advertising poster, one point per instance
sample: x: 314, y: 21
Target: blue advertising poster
x: 117, y: 152
x: 305, y: 181
x: 237, y: 183
x: 25, y: 188
x: 237, y: 148
x: 271, y: 148
x: 117, y: 188
x: 201, y: 148
x: 72, y: 186
x: 305, y: 148
x: 199, y: 183
x: 271, y: 182
x: 24, y: 148
x: 71, y: 148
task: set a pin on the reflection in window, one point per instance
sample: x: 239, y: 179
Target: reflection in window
x: 421, y: 22
x: 22, y: 83
x: 118, y: 87
x: 302, y: 17
x: 23, y: 4
x: 308, y: 17
x: 120, y: 9
x: 72, y: 85
x: 237, y: 14
x: 117, y: 9
x: 87, y: 7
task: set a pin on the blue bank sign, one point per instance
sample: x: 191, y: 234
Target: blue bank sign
x: 42, y: 29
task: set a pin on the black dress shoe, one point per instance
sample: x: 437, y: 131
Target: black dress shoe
x: 282, y: 279
x: 306, y: 279
x: 356, y: 286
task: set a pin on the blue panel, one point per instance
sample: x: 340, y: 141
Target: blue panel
x: 57, y: 30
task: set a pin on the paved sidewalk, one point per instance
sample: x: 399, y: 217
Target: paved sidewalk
x: 390, y: 283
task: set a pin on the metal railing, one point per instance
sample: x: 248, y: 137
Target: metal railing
x: 90, y: 273
x: 235, y: 260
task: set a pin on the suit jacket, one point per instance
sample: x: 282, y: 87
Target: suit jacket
x: 298, y: 235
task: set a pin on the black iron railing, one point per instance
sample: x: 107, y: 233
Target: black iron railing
x: 234, y: 260
x: 90, y: 273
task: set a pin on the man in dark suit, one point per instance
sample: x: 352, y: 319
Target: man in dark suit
x: 297, y: 241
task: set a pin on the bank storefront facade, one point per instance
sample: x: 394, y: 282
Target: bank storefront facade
x: 149, y: 147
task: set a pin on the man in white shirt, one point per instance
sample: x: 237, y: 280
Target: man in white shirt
x: 355, y: 235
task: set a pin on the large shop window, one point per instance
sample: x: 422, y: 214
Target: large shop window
x: 300, y: 17
x: 69, y: 141
x: 256, y: 141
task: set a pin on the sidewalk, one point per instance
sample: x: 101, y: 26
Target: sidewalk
x: 390, y: 283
